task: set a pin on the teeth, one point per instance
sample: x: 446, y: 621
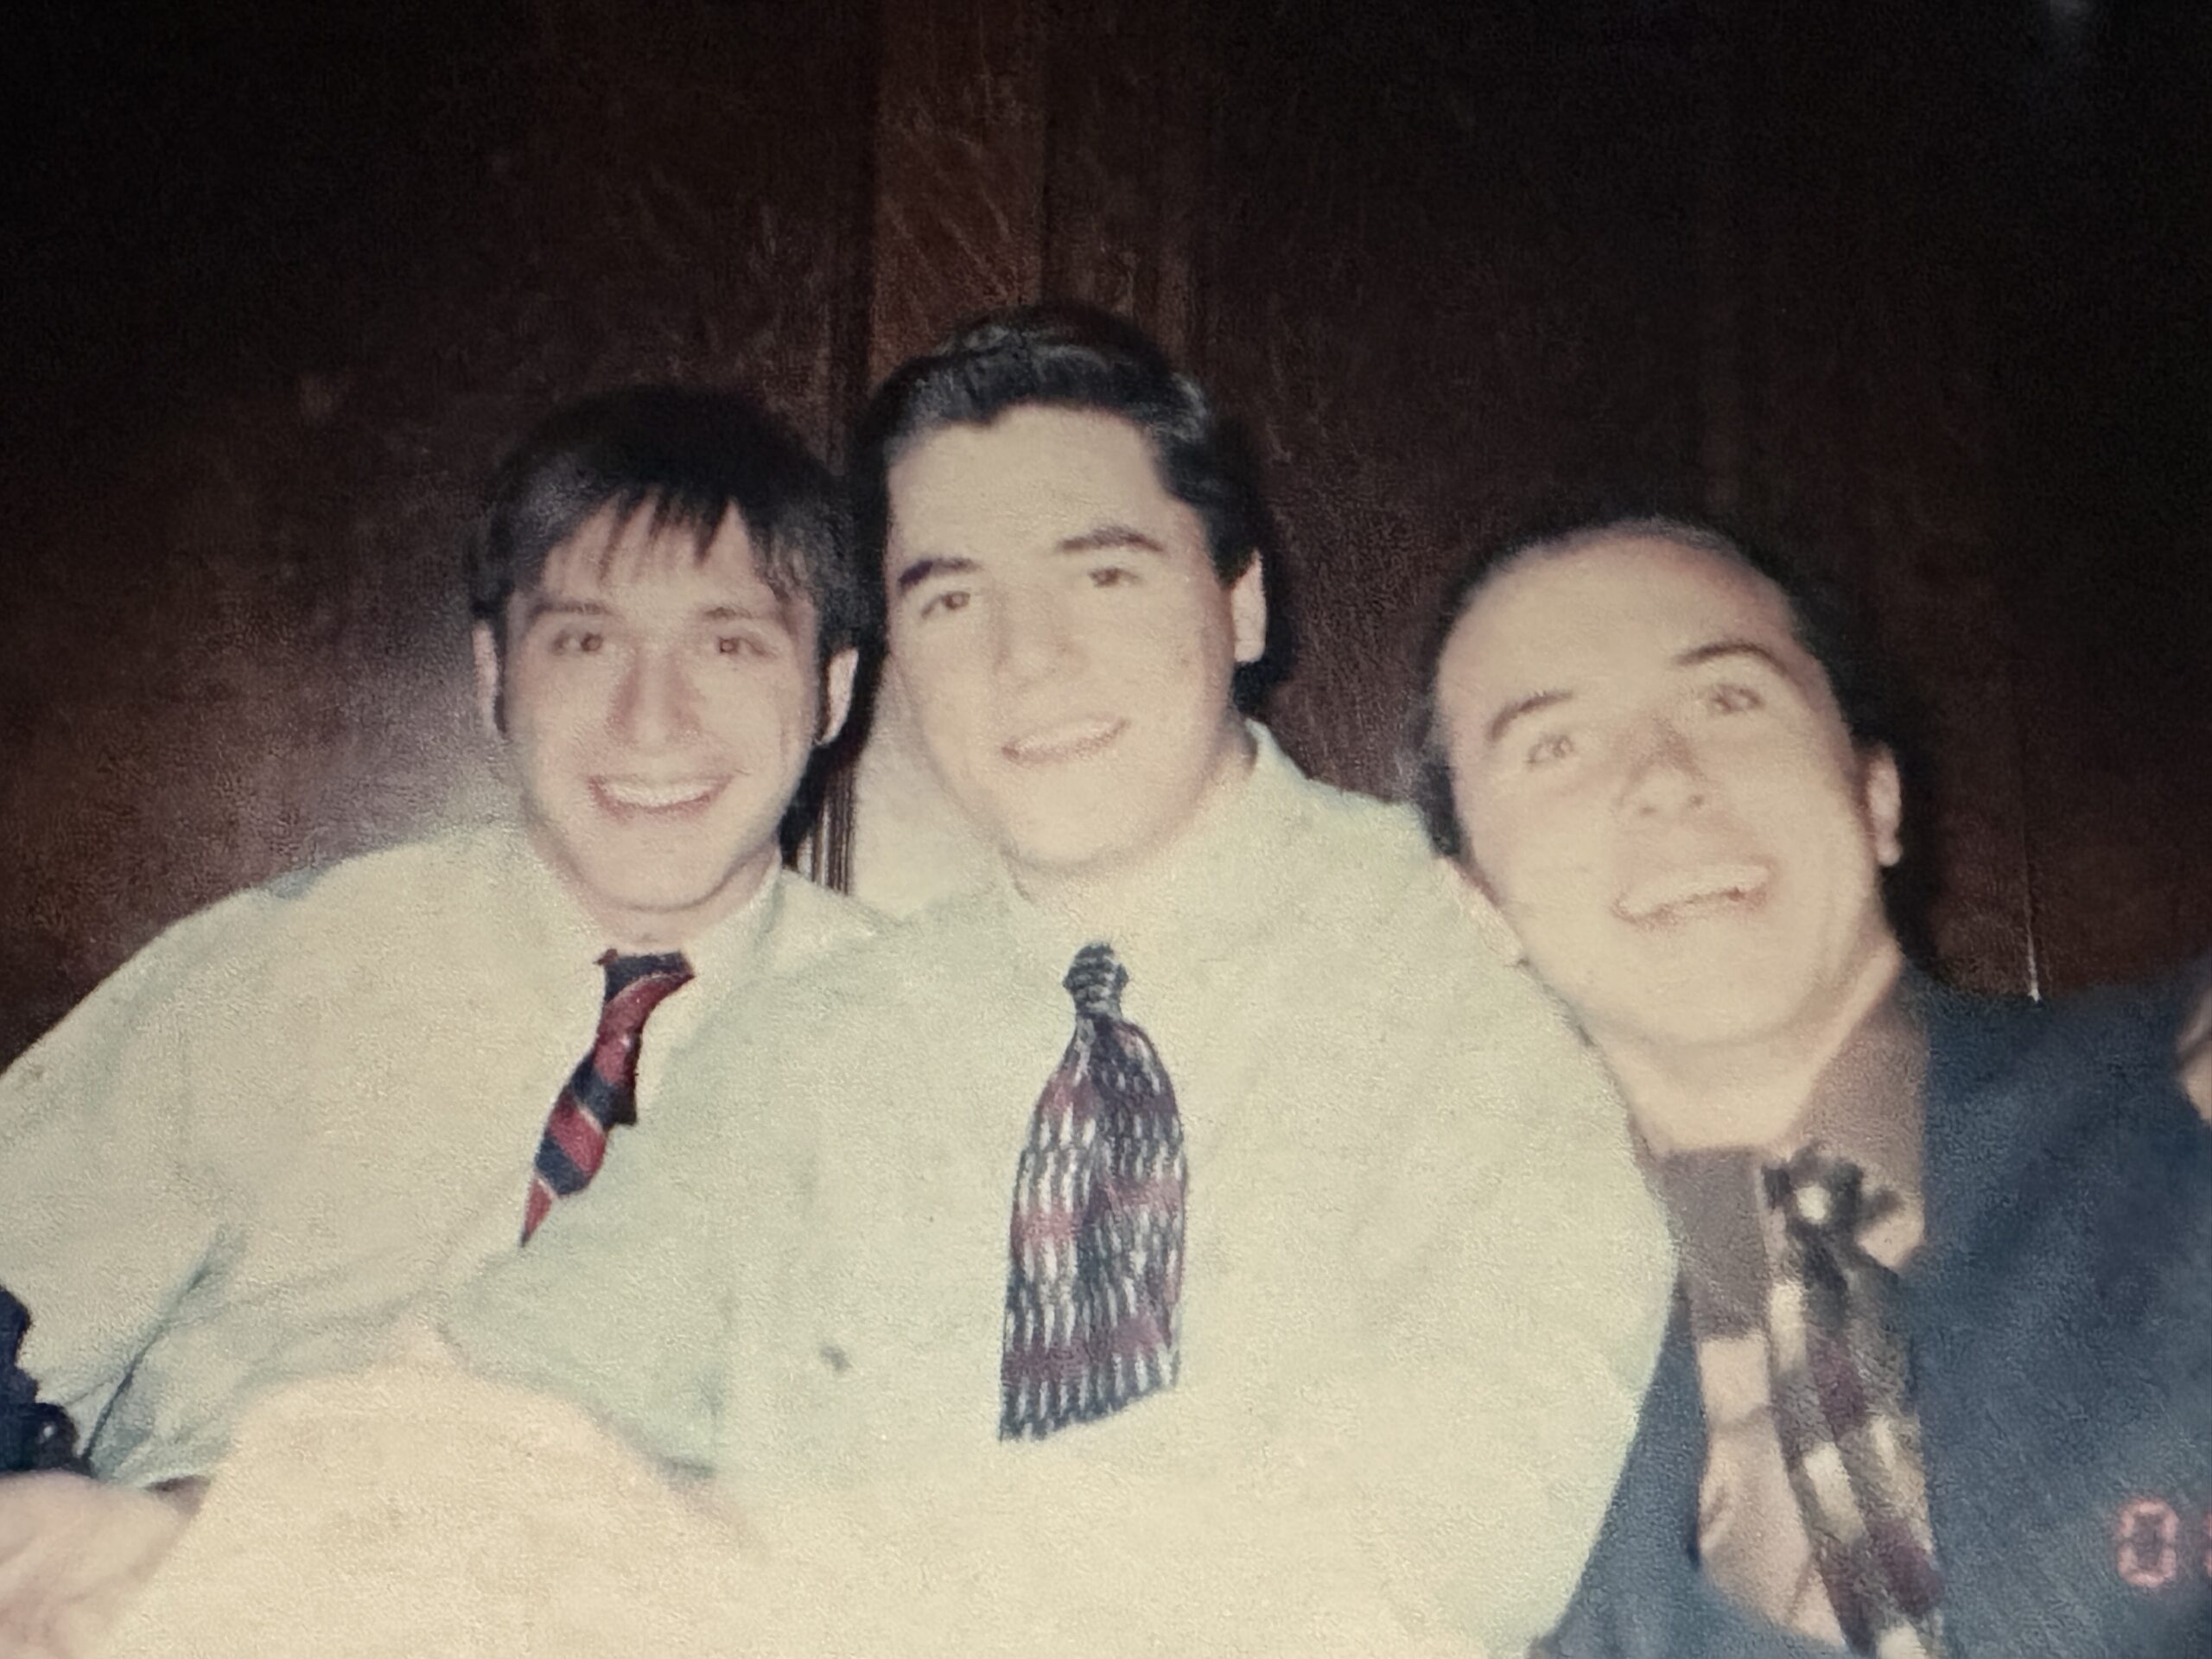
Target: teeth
x: 657, y: 796
x: 1703, y: 886
x: 1063, y: 742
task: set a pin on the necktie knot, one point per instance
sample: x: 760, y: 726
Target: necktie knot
x: 668, y: 970
x: 635, y: 987
x: 1818, y: 1193
x: 1096, y: 979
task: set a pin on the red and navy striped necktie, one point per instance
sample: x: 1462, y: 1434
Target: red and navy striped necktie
x: 602, y: 1091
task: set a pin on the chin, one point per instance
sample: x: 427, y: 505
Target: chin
x: 1061, y: 860
x: 1700, y: 1130
x: 1719, y: 1014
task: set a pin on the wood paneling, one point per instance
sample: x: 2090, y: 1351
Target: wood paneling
x: 1449, y: 277
x: 959, y: 210
x: 298, y: 278
x: 1926, y: 292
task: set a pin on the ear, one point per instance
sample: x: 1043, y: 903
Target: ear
x: 484, y: 646
x: 1885, y: 798
x: 1248, y: 612
x: 837, y: 693
x: 1491, y: 929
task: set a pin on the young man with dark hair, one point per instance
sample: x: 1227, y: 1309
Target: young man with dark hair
x: 1941, y: 1376
x: 1207, y: 1147
x: 315, y: 1108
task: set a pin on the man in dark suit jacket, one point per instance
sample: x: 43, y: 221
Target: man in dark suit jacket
x: 1940, y: 1380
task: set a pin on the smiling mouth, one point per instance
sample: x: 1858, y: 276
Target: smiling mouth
x: 627, y: 795
x: 1072, y: 741
x: 1689, y: 893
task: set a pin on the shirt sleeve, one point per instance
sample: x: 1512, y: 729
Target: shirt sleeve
x: 618, y: 1302
x: 108, y: 1212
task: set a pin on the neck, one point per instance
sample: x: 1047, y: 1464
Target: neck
x: 1111, y: 896
x: 633, y: 931
x: 1749, y: 1092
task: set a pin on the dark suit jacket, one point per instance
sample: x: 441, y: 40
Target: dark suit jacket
x: 2060, y: 1316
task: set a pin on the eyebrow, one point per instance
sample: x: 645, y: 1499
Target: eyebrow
x: 542, y: 607
x: 1105, y: 535
x: 1716, y: 651
x: 1095, y: 539
x: 1720, y: 649
x: 1513, y: 710
x: 538, y: 605
x: 934, y: 565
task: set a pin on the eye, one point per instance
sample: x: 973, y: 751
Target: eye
x: 1730, y: 699
x: 738, y: 644
x: 1550, y: 749
x: 1112, y: 576
x: 945, y: 602
x: 573, y: 642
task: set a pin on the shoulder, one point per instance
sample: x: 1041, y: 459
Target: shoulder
x: 809, y: 922
x: 459, y: 869
x: 1342, y: 822
x: 876, y: 1003
x: 882, y: 968
x: 2078, y: 1095
x: 218, y: 942
x: 190, y: 964
x: 1341, y: 866
x: 2106, y: 1043
x: 1402, y: 922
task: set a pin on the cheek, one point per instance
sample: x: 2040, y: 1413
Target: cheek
x: 946, y: 701
x: 552, y: 708
x: 1534, y: 856
x: 761, y: 713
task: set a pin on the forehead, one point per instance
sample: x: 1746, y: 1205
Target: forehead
x: 1616, y: 610
x: 1027, y: 476
x: 614, y: 557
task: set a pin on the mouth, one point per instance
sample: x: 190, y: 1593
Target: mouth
x: 634, y: 797
x: 1051, y: 745
x: 1693, y: 892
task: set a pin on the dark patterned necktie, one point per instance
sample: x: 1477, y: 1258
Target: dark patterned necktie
x: 1843, y: 1412
x: 1096, y: 1241
x: 602, y: 1091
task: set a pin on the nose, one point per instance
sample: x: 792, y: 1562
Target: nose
x: 1032, y: 639
x: 1662, y: 775
x: 658, y: 703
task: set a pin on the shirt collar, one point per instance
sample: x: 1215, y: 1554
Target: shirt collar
x: 1867, y: 1106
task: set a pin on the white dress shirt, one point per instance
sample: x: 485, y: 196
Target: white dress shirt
x: 307, y: 1111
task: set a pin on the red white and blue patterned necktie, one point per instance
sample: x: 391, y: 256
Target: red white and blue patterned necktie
x: 1843, y: 1409
x: 602, y: 1091
x: 1096, y: 1241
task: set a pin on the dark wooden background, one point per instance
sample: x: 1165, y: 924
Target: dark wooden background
x: 1926, y: 290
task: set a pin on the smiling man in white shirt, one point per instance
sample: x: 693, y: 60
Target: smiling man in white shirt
x: 316, y: 1109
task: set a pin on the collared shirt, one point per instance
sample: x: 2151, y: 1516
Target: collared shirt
x: 1421, y: 1271
x: 306, y: 1112
x: 1866, y: 1107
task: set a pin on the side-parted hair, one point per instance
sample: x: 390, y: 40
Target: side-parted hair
x: 1058, y: 356
x: 1824, y: 625
x: 689, y: 457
